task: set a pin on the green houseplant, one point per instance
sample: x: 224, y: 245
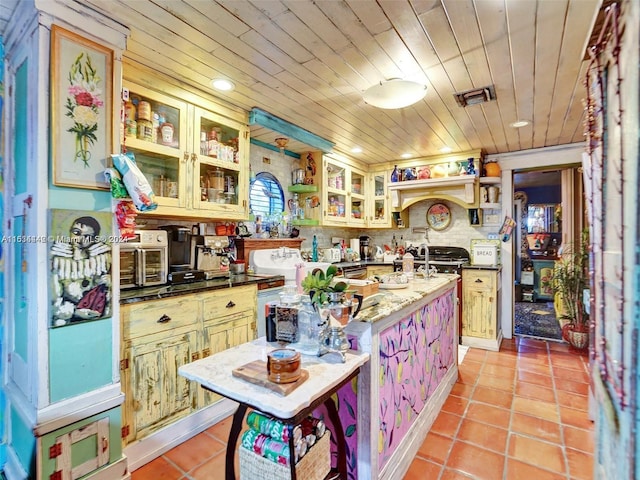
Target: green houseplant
x: 319, y: 285
x: 570, y: 279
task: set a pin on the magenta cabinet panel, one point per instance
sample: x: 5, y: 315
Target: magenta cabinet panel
x: 415, y: 354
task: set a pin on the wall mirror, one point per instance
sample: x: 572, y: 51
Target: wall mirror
x: 544, y: 218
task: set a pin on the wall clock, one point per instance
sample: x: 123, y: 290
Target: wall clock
x: 438, y: 216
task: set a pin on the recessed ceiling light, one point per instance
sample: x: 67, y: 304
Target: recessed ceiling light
x: 445, y: 150
x: 222, y: 84
x: 356, y: 150
x: 406, y: 155
x: 520, y: 124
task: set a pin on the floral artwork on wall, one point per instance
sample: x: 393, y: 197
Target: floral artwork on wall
x: 81, y: 109
x: 415, y: 355
x: 80, y: 266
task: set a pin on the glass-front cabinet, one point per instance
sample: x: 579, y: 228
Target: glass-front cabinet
x: 196, y: 160
x: 156, y: 133
x: 220, y: 165
x: 344, y: 201
x: 379, y: 215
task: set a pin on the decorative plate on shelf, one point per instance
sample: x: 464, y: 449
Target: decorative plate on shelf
x: 438, y: 216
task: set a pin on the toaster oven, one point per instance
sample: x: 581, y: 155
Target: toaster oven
x: 144, y: 259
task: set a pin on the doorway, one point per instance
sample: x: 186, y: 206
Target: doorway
x: 538, y: 213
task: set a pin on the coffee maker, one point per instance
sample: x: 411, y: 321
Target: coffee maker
x: 181, y: 261
x: 211, y: 254
x: 366, y: 248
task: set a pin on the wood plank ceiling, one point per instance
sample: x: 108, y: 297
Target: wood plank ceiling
x: 308, y: 62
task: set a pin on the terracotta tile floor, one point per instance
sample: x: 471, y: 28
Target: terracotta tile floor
x: 517, y: 414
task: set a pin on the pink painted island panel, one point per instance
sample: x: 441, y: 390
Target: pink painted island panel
x: 415, y: 355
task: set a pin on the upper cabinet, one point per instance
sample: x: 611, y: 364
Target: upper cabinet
x: 344, y: 202
x: 379, y: 214
x: 196, y: 160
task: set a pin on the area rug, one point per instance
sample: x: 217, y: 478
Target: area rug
x: 537, y: 320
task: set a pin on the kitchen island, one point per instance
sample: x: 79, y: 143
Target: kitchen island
x: 412, y: 338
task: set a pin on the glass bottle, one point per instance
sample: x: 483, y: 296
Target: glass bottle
x: 307, y: 207
x: 395, y: 175
x: 314, y: 249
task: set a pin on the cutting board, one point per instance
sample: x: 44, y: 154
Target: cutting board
x: 256, y: 372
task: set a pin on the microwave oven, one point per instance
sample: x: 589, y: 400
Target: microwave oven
x: 144, y: 259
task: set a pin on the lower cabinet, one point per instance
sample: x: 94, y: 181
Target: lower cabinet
x: 480, y: 308
x: 90, y: 448
x: 159, y: 336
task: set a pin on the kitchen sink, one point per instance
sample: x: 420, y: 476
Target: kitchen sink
x: 283, y: 261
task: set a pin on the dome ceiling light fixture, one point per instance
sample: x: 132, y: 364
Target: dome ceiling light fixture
x: 394, y: 93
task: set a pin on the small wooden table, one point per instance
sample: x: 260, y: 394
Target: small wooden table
x: 326, y: 375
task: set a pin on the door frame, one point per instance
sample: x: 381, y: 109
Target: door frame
x: 565, y: 156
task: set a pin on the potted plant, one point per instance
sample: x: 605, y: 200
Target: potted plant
x: 570, y: 279
x: 321, y: 287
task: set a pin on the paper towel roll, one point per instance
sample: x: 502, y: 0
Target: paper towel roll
x: 355, y: 244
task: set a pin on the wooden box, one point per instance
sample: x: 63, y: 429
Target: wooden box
x: 362, y: 287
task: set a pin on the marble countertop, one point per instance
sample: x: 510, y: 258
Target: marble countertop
x: 215, y: 373
x: 397, y: 299
x: 165, y: 291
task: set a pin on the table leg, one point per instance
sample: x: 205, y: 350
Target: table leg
x: 234, y: 433
x: 339, y: 433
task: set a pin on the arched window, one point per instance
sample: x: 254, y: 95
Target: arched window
x: 265, y: 195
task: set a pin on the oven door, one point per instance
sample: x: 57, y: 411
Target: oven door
x: 129, y: 265
x: 153, y: 266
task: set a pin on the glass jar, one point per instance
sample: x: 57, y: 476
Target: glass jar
x: 309, y: 328
x: 216, y: 179
x: 287, y: 315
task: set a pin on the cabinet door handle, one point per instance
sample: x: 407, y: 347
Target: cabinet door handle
x: 231, y: 304
x: 164, y: 318
x: 478, y: 280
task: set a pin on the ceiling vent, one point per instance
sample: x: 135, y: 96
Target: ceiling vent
x: 475, y: 96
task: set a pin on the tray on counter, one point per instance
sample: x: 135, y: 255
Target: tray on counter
x: 256, y: 372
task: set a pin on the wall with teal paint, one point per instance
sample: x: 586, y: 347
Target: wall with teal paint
x: 23, y: 442
x: 79, y: 358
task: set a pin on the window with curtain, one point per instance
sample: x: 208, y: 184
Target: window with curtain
x: 265, y: 195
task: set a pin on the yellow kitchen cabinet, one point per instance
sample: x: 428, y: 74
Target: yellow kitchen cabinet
x: 344, y: 198
x: 159, y: 336
x: 155, y: 395
x: 229, y: 320
x: 196, y: 160
x: 379, y: 270
x: 379, y: 214
x: 480, y: 308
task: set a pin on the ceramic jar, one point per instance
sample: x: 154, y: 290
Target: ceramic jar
x: 492, y: 169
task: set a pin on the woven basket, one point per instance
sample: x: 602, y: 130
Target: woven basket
x: 315, y: 465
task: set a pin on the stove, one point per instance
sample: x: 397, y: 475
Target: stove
x: 443, y: 259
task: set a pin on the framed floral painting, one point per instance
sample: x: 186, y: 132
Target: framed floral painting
x: 81, y: 109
